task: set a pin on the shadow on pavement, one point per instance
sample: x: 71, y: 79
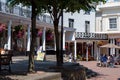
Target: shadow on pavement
x: 118, y: 78
x: 19, y: 67
x: 5, y: 78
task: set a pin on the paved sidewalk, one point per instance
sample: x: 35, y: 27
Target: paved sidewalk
x: 44, y: 70
x: 19, y: 69
x: 105, y: 73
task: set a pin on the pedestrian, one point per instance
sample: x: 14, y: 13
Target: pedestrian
x: 117, y: 59
x: 104, y: 59
x: 111, y: 61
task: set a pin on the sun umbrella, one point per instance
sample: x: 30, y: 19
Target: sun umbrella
x: 109, y: 45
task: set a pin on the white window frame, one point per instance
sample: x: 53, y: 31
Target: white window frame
x: 71, y: 23
x: 87, y: 26
x: 113, y: 24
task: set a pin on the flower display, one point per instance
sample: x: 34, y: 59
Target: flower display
x: 39, y: 33
x: 2, y: 27
x: 49, y: 35
x: 99, y: 43
x: 19, y: 31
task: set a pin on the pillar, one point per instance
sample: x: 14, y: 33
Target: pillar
x: 64, y: 40
x: 54, y: 42
x: 87, y: 53
x: 9, y: 35
x: 113, y: 49
x: 44, y: 39
x: 28, y: 38
x: 75, y: 50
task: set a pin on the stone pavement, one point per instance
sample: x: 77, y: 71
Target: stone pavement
x: 104, y: 73
x: 44, y: 70
x: 19, y: 69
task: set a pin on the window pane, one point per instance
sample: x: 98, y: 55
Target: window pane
x: 71, y: 23
x: 87, y: 26
x: 113, y: 23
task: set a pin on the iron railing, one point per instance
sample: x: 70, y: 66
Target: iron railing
x: 94, y: 36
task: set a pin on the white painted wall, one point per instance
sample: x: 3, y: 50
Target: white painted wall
x: 108, y: 10
x: 79, y: 20
x: 69, y: 36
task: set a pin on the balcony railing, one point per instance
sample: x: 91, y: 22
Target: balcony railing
x: 93, y: 36
x: 25, y: 12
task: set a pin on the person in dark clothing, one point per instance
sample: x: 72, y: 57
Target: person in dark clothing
x: 104, y: 59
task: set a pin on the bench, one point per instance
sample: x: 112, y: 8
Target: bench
x: 5, y: 60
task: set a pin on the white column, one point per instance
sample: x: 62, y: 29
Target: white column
x: 97, y: 53
x: 87, y: 53
x: 97, y: 50
x: 75, y: 50
x: 9, y: 35
x: 64, y: 40
x: 44, y: 39
x: 113, y: 48
x: 28, y: 38
x: 54, y: 42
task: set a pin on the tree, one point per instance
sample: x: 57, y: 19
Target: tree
x: 55, y: 8
x: 36, y: 8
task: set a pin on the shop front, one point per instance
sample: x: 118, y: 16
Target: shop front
x: 87, y: 45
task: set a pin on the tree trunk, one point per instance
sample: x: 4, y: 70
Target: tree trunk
x: 61, y: 56
x: 33, y: 40
x: 58, y: 54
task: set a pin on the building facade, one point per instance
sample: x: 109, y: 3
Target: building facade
x: 79, y: 36
x: 85, y: 44
x: 108, y: 21
x: 21, y: 16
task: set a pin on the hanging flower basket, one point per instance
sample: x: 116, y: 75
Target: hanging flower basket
x: 99, y: 43
x: 19, y: 31
x: 2, y: 28
x: 49, y: 35
x: 39, y: 33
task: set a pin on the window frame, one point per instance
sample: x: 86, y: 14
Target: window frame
x: 71, y: 23
x: 113, y: 24
x: 87, y: 26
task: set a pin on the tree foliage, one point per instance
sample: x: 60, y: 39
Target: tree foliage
x: 55, y: 8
